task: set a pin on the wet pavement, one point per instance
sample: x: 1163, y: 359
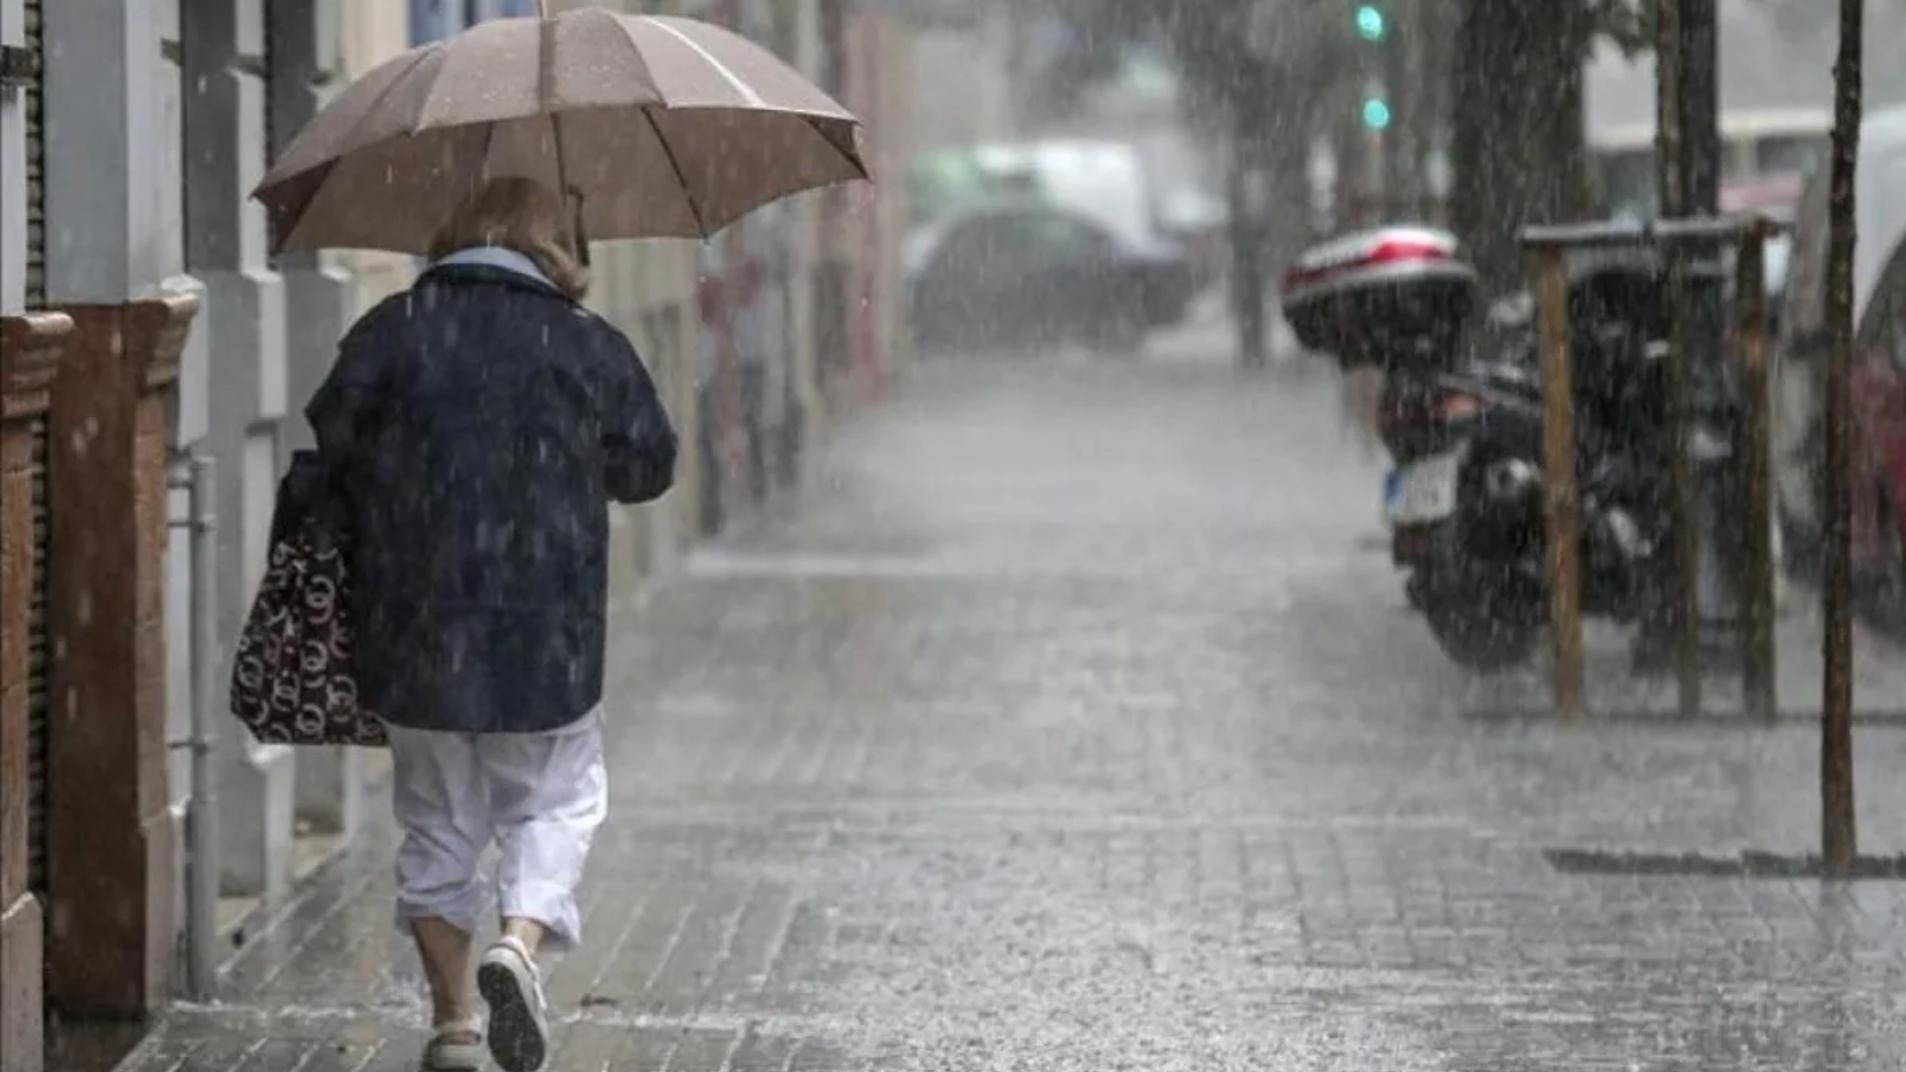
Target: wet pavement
x: 1076, y: 721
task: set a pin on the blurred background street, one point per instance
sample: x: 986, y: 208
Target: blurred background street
x: 1105, y: 613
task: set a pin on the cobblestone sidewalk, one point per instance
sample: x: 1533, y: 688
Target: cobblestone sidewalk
x: 1077, y: 723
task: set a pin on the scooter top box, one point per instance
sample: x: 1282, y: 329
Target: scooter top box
x: 1373, y: 291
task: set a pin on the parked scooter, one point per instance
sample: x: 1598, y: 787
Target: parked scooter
x: 1461, y: 416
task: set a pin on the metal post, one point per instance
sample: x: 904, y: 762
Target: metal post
x: 1671, y: 150
x: 202, y: 816
x: 1558, y: 459
x: 1681, y: 479
x: 1758, y: 659
x: 1723, y: 578
x: 1353, y: 166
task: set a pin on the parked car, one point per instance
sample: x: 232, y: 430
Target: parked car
x: 1878, y: 374
x: 1028, y: 273
x: 1105, y: 180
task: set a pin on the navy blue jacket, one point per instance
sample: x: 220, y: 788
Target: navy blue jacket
x: 476, y: 428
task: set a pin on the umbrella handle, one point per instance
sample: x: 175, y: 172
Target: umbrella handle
x: 581, y: 235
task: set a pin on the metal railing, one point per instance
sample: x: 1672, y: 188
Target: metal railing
x: 1551, y: 247
x: 195, y: 473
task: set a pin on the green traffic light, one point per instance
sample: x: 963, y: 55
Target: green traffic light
x: 1371, y: 25
x: 1376, y: 114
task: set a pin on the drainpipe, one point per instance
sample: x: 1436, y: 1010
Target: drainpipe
x: 201, y: 819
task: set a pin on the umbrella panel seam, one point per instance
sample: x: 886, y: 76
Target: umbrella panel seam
x: 681, y: 178
x: 425, y: 121
x: 854, y: 159
x: 422, y: 54
x: 750, y: 97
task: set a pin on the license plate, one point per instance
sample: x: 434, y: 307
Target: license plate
x: 1424, y: 492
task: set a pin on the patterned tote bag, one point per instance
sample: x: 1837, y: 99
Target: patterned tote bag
x: 291, y: 679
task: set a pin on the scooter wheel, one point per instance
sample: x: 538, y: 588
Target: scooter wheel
x: 1487, y: 635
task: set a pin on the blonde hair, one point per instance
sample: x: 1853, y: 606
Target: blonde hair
x: 518, y: 214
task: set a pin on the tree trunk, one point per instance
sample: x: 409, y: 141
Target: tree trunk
x: 1836, y: 751
x: 1248, y: 281
x: 1517, y: 139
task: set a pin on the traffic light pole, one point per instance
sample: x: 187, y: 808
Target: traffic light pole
x: 1401, y: 152
x: 1373, y: 163
x: 1354, y: 172
x: 1249, y: 197
x: 1683, y: 610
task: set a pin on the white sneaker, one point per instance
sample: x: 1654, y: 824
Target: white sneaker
x: 456, y: 1047
x: 519, y: 1020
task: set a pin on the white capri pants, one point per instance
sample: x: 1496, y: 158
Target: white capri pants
x: 538, y: 796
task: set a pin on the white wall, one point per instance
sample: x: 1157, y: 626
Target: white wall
x: 975, y: 58
x: 106, y: 159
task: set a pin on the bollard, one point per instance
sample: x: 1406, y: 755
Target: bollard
x: 1558, y: 459
x: 1758, y: 685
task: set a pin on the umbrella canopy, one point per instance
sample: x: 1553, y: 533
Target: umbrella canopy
x: 662, y: 127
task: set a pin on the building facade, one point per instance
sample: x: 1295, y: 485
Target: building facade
x: 144, y: 322
x: 96, y: 317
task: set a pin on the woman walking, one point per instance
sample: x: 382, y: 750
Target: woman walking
x: 476, y: 426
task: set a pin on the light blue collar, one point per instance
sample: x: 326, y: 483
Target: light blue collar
x: 497, y: 257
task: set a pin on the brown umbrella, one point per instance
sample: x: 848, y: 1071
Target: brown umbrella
x: 660, y: 127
